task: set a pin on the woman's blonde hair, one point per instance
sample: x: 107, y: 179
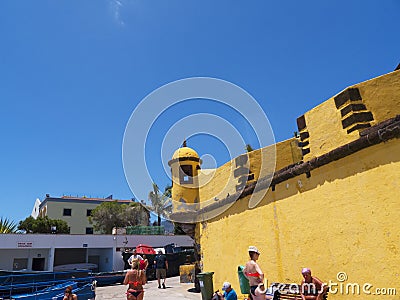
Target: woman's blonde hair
x: 135, y: 265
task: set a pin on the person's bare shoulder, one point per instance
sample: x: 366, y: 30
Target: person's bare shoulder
x: 317, y: 280
x: 253, y: 263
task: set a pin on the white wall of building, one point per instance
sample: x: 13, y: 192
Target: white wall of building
x: 7, y: 257
x: 105, y: 258
x: 105, y: 246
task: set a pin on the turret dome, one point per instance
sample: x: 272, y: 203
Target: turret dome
x: 185, y: 152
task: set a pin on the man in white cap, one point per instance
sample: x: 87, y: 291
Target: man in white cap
x: 134, y: 257
x: 253, y: 271
x: 229, y: 292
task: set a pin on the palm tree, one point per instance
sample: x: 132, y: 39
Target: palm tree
x: 168, y: 191
x: 7, y: 226
x: 158, y: 202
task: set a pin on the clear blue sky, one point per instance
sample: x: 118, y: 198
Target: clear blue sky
x: 72, y: 73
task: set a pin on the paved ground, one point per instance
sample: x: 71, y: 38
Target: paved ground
x: 175, y: 290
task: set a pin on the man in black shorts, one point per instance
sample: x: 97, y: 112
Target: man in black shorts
x: 161, y: 264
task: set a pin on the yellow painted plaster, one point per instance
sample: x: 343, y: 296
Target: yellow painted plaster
x: 344, y: 218
x: 380, y: 96
x: 189, y: 192
x: 219, y: 182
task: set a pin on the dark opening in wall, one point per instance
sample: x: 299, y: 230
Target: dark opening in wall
x: 301, y: 123
x: 352, y: 94
x: 186, y: 174
x: 352, y: 107
x: 304, y: 135
x: 355, y: 116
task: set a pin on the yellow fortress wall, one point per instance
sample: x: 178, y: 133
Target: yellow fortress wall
x: 342, y: 217
x: 323, y: 125
x: 286, y: 153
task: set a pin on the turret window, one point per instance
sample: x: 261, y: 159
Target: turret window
x: 186, y: 174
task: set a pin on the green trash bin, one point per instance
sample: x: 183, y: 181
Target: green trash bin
x: 206, y: 285
x: 243, y: 281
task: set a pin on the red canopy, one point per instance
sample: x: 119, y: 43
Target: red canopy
x: 144, y: 249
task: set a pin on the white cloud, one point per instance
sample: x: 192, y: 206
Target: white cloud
x: 116, y: 6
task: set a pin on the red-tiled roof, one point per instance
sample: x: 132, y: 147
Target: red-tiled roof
x: 94, y: 199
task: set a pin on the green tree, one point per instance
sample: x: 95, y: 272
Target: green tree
x: 27, y: 224
x: 113, y: 214
x: 43, y: 225
x: 159, y: 201
x: 135, y: 214
x: 61, y: 226
x: 106, y: 216
x: 7, y: 226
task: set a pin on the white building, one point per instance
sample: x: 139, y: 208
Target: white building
x: 36, y: 208
x: 76, y: 211
x: 41, y: 252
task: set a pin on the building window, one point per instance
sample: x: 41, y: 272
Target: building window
x: 67, y: 212
x: 89, y: 230
x: 186, y: 174
x: 88, y: 212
